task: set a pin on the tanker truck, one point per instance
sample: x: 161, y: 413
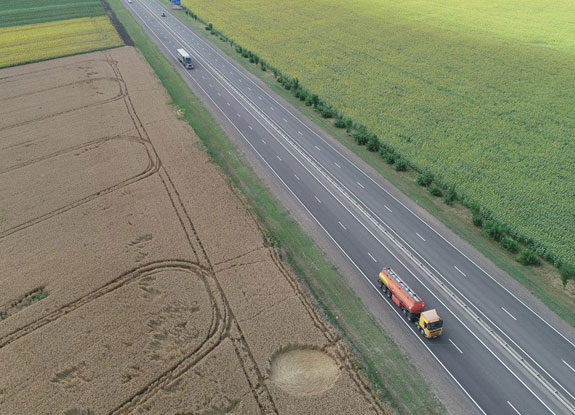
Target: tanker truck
x: 427, y: 322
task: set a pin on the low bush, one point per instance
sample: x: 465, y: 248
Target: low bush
x: 360, y: 138
x: 435, y: 191
x: 528, y: 257
x: 339, y: 123
x: 348, y: 124
x: 373, y: 143
x: 390, y: 158
x: 314, y: 100
x: 567, y: 272
x: 326, y: 112
x: 510, y: 244
x: 477, y: 219
x: 425, y: 178
x: 494, y: 230
x: 400, y: 164
x: 450, y: 196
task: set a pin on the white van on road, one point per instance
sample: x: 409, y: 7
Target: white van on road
x: 185, y: 59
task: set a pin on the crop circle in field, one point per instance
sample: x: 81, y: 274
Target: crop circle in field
x: 303, y: 370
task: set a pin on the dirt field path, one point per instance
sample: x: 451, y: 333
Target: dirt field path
x: 134, y: 279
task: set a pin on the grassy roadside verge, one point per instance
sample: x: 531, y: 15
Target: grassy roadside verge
x: 391, y: 375
x: 543, y: 281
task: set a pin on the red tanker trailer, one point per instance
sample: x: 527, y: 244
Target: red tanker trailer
x: 428, y: 322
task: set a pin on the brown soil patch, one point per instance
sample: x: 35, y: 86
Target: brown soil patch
x: 125, y: 288
x: 303, y: 370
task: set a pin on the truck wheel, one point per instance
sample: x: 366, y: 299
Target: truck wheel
x: 389, y: 293
x: 380, y: 284
x: 422, y: 332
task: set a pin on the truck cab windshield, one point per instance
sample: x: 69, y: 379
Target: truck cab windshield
x: 187, y: 60
x: 435, y: 325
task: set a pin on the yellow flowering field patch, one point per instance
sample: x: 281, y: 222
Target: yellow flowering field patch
x: 35, y: 42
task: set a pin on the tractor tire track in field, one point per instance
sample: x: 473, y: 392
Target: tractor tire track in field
x: 251, y: 370
x: 224, y: 323
x: 335, y: 344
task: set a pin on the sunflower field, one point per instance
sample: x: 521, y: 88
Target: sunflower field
x: 479, y: 92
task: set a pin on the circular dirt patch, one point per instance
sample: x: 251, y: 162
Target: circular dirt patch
x: 303, y: 370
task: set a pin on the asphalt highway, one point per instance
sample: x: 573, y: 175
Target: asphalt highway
x: 499, y: 352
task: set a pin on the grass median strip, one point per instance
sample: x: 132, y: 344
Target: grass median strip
x: 390, y: 373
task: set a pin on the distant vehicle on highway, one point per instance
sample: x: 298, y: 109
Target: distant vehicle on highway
x: 427, y: 322
x: 185, y: 59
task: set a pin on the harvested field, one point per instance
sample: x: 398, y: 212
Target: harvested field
x: 125, y: 287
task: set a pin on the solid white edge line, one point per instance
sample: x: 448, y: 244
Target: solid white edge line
x: 508, y: 313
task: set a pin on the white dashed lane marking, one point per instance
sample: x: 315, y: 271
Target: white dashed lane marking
x: 461, y: 272
x: 509, y: 314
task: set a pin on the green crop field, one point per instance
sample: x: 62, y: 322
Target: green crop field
x: 482, y: 92
x: 18, y: 12
x: 44, y: 29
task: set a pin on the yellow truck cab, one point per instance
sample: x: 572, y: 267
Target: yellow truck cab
x: 430, y: 325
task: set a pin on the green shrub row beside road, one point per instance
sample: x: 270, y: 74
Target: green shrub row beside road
x: 529, y: 251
